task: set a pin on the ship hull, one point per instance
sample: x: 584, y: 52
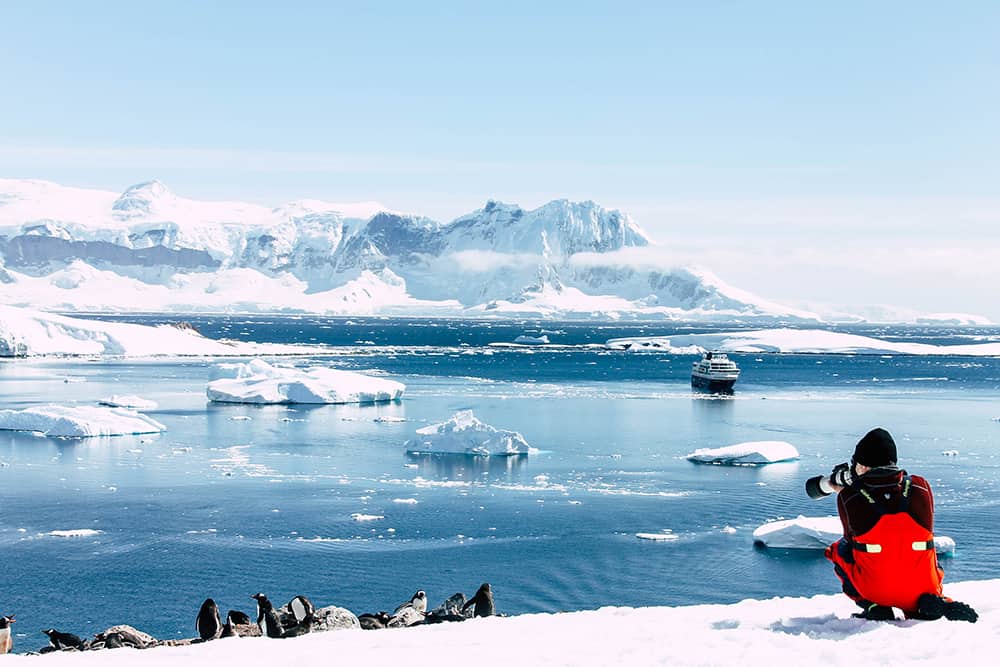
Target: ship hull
x: 713, y: 385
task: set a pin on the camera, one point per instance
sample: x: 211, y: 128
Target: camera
x: 820, y: 486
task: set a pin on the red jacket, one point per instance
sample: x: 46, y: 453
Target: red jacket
x: 888, y: 551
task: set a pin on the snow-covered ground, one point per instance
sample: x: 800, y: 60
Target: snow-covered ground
x: 28, y: 333
x: 151, y: 250
x: 779, y: 631
x: 793, y: 341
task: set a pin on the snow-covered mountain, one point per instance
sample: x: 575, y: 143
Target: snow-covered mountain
x: 149, y: 249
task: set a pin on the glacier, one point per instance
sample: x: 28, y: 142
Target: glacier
x: 150, y: 250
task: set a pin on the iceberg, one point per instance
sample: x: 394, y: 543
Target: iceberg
x: 259, y: 382
x: 532, y: 340
x: 746, y: 453
x: 134, y: 402
x: 78, y: 421
x: 464, y: 434
x: 817, y: 533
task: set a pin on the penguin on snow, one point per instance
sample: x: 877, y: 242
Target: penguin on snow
x: 64, y: 641
x: 6, y: 639
x: 267, y: 618
x: 208, y: 624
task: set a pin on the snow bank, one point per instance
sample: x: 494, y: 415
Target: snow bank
x: 779, y: 631
x: 78, y: 421
x: 746, y: 453
x: 27, y: 333
x: 818, y: 533
x: 261, y: 383
x: 464, y: 434
x: 792, y: 341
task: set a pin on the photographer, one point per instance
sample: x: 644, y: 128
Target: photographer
x: 886, y: 558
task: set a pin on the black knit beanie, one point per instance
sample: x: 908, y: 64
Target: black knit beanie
x: 876, y: 449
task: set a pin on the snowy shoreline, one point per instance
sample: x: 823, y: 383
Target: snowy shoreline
x: 779, y: 630
x: 31, y: 333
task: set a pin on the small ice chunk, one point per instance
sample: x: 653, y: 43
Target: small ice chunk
x: 464, y: 434
x: 746, y: 453
x: 134, y: 402
x: 817, y: 533
x: 665, y: 536
x: 79, y: 532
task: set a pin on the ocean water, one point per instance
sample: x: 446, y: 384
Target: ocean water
x: 323, y: 501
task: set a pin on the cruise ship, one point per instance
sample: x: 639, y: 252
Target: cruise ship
x: 714, y: 372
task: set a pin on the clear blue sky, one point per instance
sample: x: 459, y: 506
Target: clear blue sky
x: 789, y: 124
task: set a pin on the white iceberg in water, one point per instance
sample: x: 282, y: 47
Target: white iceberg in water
x: 78, y: 421
x: 134, y: 402
x: 746, y: 453
x: 464, y: 434
x: 532, y: 340
x: 259, y: 382
x: 817, y: 533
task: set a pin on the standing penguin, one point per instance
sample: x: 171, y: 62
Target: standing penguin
x: 6, y: 640
x: 483, y: 601
x: 267, y: 618
x: 208, y: 624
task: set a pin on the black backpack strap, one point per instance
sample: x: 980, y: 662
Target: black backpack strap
x: 904, y: 495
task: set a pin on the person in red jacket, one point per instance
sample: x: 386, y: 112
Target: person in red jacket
x: 886, y: 558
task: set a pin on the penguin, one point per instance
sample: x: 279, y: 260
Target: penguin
x: 302, y: 609
x: 377, y: 621
x: 482, y: 601
x: 267, y: 618
x: 418, y: 602
x: 449, y: 610
x: 108, y: 640
x: 6, y: 639
x: 237, y: 617
x: 208, y: 624
x: 64, y: 641
x: 411, y: 612
x: 239, y: 624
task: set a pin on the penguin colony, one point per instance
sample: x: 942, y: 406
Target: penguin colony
x: 295, y: 618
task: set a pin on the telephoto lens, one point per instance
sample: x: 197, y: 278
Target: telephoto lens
x: 818, y: 487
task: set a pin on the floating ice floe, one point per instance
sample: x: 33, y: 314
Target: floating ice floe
x: 78, y: 421
x: 532, y: 340
x: 746, y: 453
x: 464, y: 434
x: 818, y: 533
x: 79, y: 532
x: 134, y: 402
x: 665, y: 536
x: 261, y: 383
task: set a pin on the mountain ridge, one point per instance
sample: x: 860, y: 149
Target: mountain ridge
x: 564, y: 258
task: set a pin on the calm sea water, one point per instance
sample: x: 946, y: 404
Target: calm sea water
x: 234, y: 499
